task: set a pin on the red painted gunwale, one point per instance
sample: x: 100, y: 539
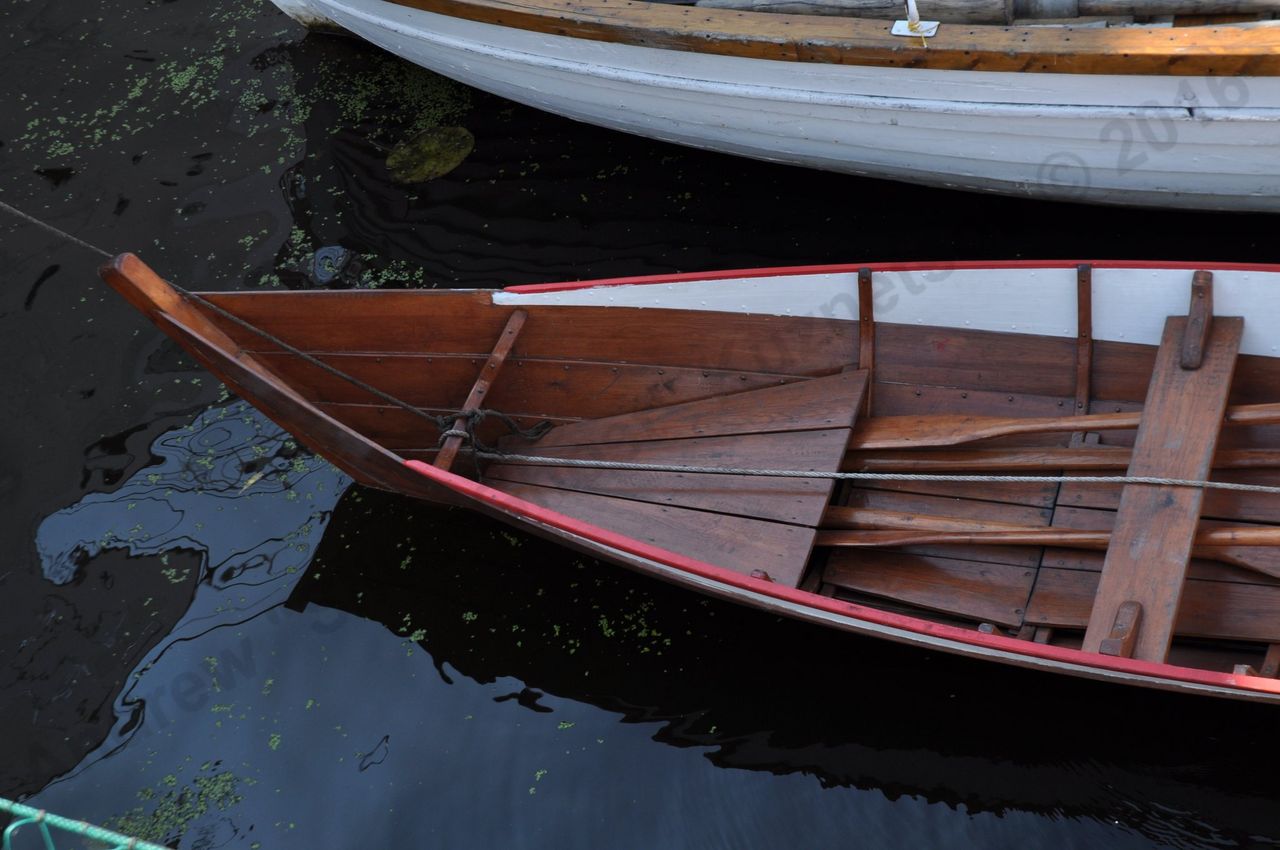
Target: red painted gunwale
x: 723, y: 576
x: 852, y: 268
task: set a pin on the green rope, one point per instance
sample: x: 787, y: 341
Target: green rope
x: 42, y: 820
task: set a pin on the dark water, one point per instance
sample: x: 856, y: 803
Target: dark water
x: 208, y: 637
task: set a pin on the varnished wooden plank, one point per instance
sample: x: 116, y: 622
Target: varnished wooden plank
x: 480, y: 389
x: 792, y: 500
x: 1155, y: 526
x: 994, y: 593
x: 977, y: 360
x: 1209, y: 609
x: 564, y: 389
x: 737, y: 543
x: 820, y: 403
x: 427, y: 322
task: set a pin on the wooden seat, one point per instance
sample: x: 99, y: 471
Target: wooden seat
x: 1146, y: 563
x: 752, y: 524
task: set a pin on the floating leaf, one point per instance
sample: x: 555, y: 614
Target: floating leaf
x: 430, y: 154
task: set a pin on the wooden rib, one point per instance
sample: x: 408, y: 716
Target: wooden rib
x: 900, y: 432
x: 807, y: 38
x: 1079, y: 458
x: 814, y: 404
x: 1084, y: 340
x: 1155, y: 527
x: 488, y: 374
x: 737, y: 543
x: 866, y: 334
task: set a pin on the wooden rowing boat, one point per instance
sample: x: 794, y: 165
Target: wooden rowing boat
x: 1161, y: 113
x: 776, y: 437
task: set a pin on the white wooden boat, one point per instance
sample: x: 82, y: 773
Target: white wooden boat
x: 1181, y: 116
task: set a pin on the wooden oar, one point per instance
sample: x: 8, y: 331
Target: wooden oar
x: 1078, y: 459
x: 903, y: 432
x: 905, y: 529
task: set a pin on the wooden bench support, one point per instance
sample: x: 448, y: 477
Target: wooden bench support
x: 1124, y: 631
x: 488, y: 373
x: 1146, y: 562
x: 866, y: 334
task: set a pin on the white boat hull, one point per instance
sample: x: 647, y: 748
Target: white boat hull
x: 1190, y: 142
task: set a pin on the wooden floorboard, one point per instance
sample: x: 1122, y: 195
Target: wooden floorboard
x: 1210, y: 609
x: 738, y: 543
x: 805, y: 405
x: 983, y: 592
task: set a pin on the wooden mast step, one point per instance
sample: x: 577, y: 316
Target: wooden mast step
x: 1146, y: 563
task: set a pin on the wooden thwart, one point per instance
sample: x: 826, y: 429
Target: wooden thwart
x: 1155, y: 526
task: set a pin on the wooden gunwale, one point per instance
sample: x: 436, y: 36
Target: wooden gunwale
x: 1183, y: 51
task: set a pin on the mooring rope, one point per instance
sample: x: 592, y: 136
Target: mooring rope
x: 446, y: 422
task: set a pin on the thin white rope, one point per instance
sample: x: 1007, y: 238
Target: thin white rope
x: 583, y: 463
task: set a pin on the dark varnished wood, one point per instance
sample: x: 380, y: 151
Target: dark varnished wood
x: 793, y: 500
x: 430, y: 321
x: 480, y: 389
x: 1123, y: 637
x: 1155, y: 526
x: 1209, y: 609
x: 738, y: 543
x: 1084, y: 337
x: 536, y: 387
x: 1199, y: 320
x: 983, y: 592
x: 866, y: 330
x: 802, y: 405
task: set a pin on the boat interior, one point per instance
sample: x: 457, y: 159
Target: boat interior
x: 1156, y: 571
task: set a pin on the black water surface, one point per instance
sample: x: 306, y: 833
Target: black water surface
x: 208, y: 637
